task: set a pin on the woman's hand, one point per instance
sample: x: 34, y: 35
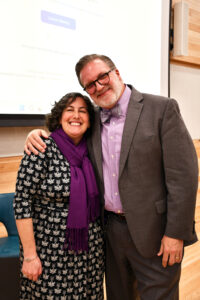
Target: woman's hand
x: 32, y: 269
x: 34, y: 143
x: 32, y: 266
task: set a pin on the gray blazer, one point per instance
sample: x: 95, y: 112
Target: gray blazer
x: 158, y: 172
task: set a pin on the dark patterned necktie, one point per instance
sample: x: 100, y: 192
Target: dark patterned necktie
x: 107, y: 114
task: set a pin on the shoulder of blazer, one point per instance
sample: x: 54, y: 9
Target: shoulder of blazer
x: 154, y: 101
x: 152, y: 98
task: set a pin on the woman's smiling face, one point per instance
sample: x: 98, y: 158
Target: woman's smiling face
x: 75, y: 120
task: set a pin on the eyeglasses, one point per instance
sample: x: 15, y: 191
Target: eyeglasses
x: 102, y: 80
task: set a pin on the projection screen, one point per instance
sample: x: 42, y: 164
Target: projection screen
x: 41, y: 41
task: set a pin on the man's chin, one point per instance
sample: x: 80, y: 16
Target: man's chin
x: 107, y: 104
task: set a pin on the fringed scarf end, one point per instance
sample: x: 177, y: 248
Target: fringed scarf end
x: 76, y: 239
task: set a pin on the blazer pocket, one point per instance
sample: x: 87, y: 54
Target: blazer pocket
x: 161, y: 206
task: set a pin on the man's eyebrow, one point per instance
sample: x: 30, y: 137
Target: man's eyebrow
x: 100, y: 74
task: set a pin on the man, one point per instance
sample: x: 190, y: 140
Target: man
x: 146, y: 167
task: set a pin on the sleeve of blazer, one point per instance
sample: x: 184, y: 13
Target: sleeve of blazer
x: 181, y: 174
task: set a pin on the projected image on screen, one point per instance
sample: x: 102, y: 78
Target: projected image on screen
x: 37, y: 54
x: 41, y: 41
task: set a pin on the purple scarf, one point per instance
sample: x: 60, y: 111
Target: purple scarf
x: 84, y: 196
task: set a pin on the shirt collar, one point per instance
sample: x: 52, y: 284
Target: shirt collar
x: 124, y: 100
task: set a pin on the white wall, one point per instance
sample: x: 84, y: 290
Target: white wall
x: 12, y: 140
x: 185, y: 88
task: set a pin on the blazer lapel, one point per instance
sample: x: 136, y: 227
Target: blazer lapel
x: 96, y: 143
x: 133, y: 114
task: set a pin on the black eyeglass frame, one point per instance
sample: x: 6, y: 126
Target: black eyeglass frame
x: 93, y: 83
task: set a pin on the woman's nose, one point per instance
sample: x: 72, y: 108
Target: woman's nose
x: 76, y: 114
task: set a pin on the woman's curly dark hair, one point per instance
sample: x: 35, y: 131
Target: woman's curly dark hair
x: 53, y: 119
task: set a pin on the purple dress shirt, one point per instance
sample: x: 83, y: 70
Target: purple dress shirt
x: 111, y: 135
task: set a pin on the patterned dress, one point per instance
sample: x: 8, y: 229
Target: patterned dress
x: 42, y: 193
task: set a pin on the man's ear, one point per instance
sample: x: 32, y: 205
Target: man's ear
x: 118, y: 74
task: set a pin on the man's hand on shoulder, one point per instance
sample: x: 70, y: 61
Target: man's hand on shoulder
x: 172, y: 251
x: 34, y: 143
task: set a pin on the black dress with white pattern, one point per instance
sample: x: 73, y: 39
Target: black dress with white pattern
x: 42, y: 193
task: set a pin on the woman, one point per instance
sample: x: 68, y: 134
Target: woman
x: 57, y: 211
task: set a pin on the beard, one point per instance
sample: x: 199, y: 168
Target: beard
x: 107, y: 101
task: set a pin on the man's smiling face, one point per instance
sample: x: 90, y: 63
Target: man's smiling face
x: 105, y: 96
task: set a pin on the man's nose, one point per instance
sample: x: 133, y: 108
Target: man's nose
x: 98, y: 86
